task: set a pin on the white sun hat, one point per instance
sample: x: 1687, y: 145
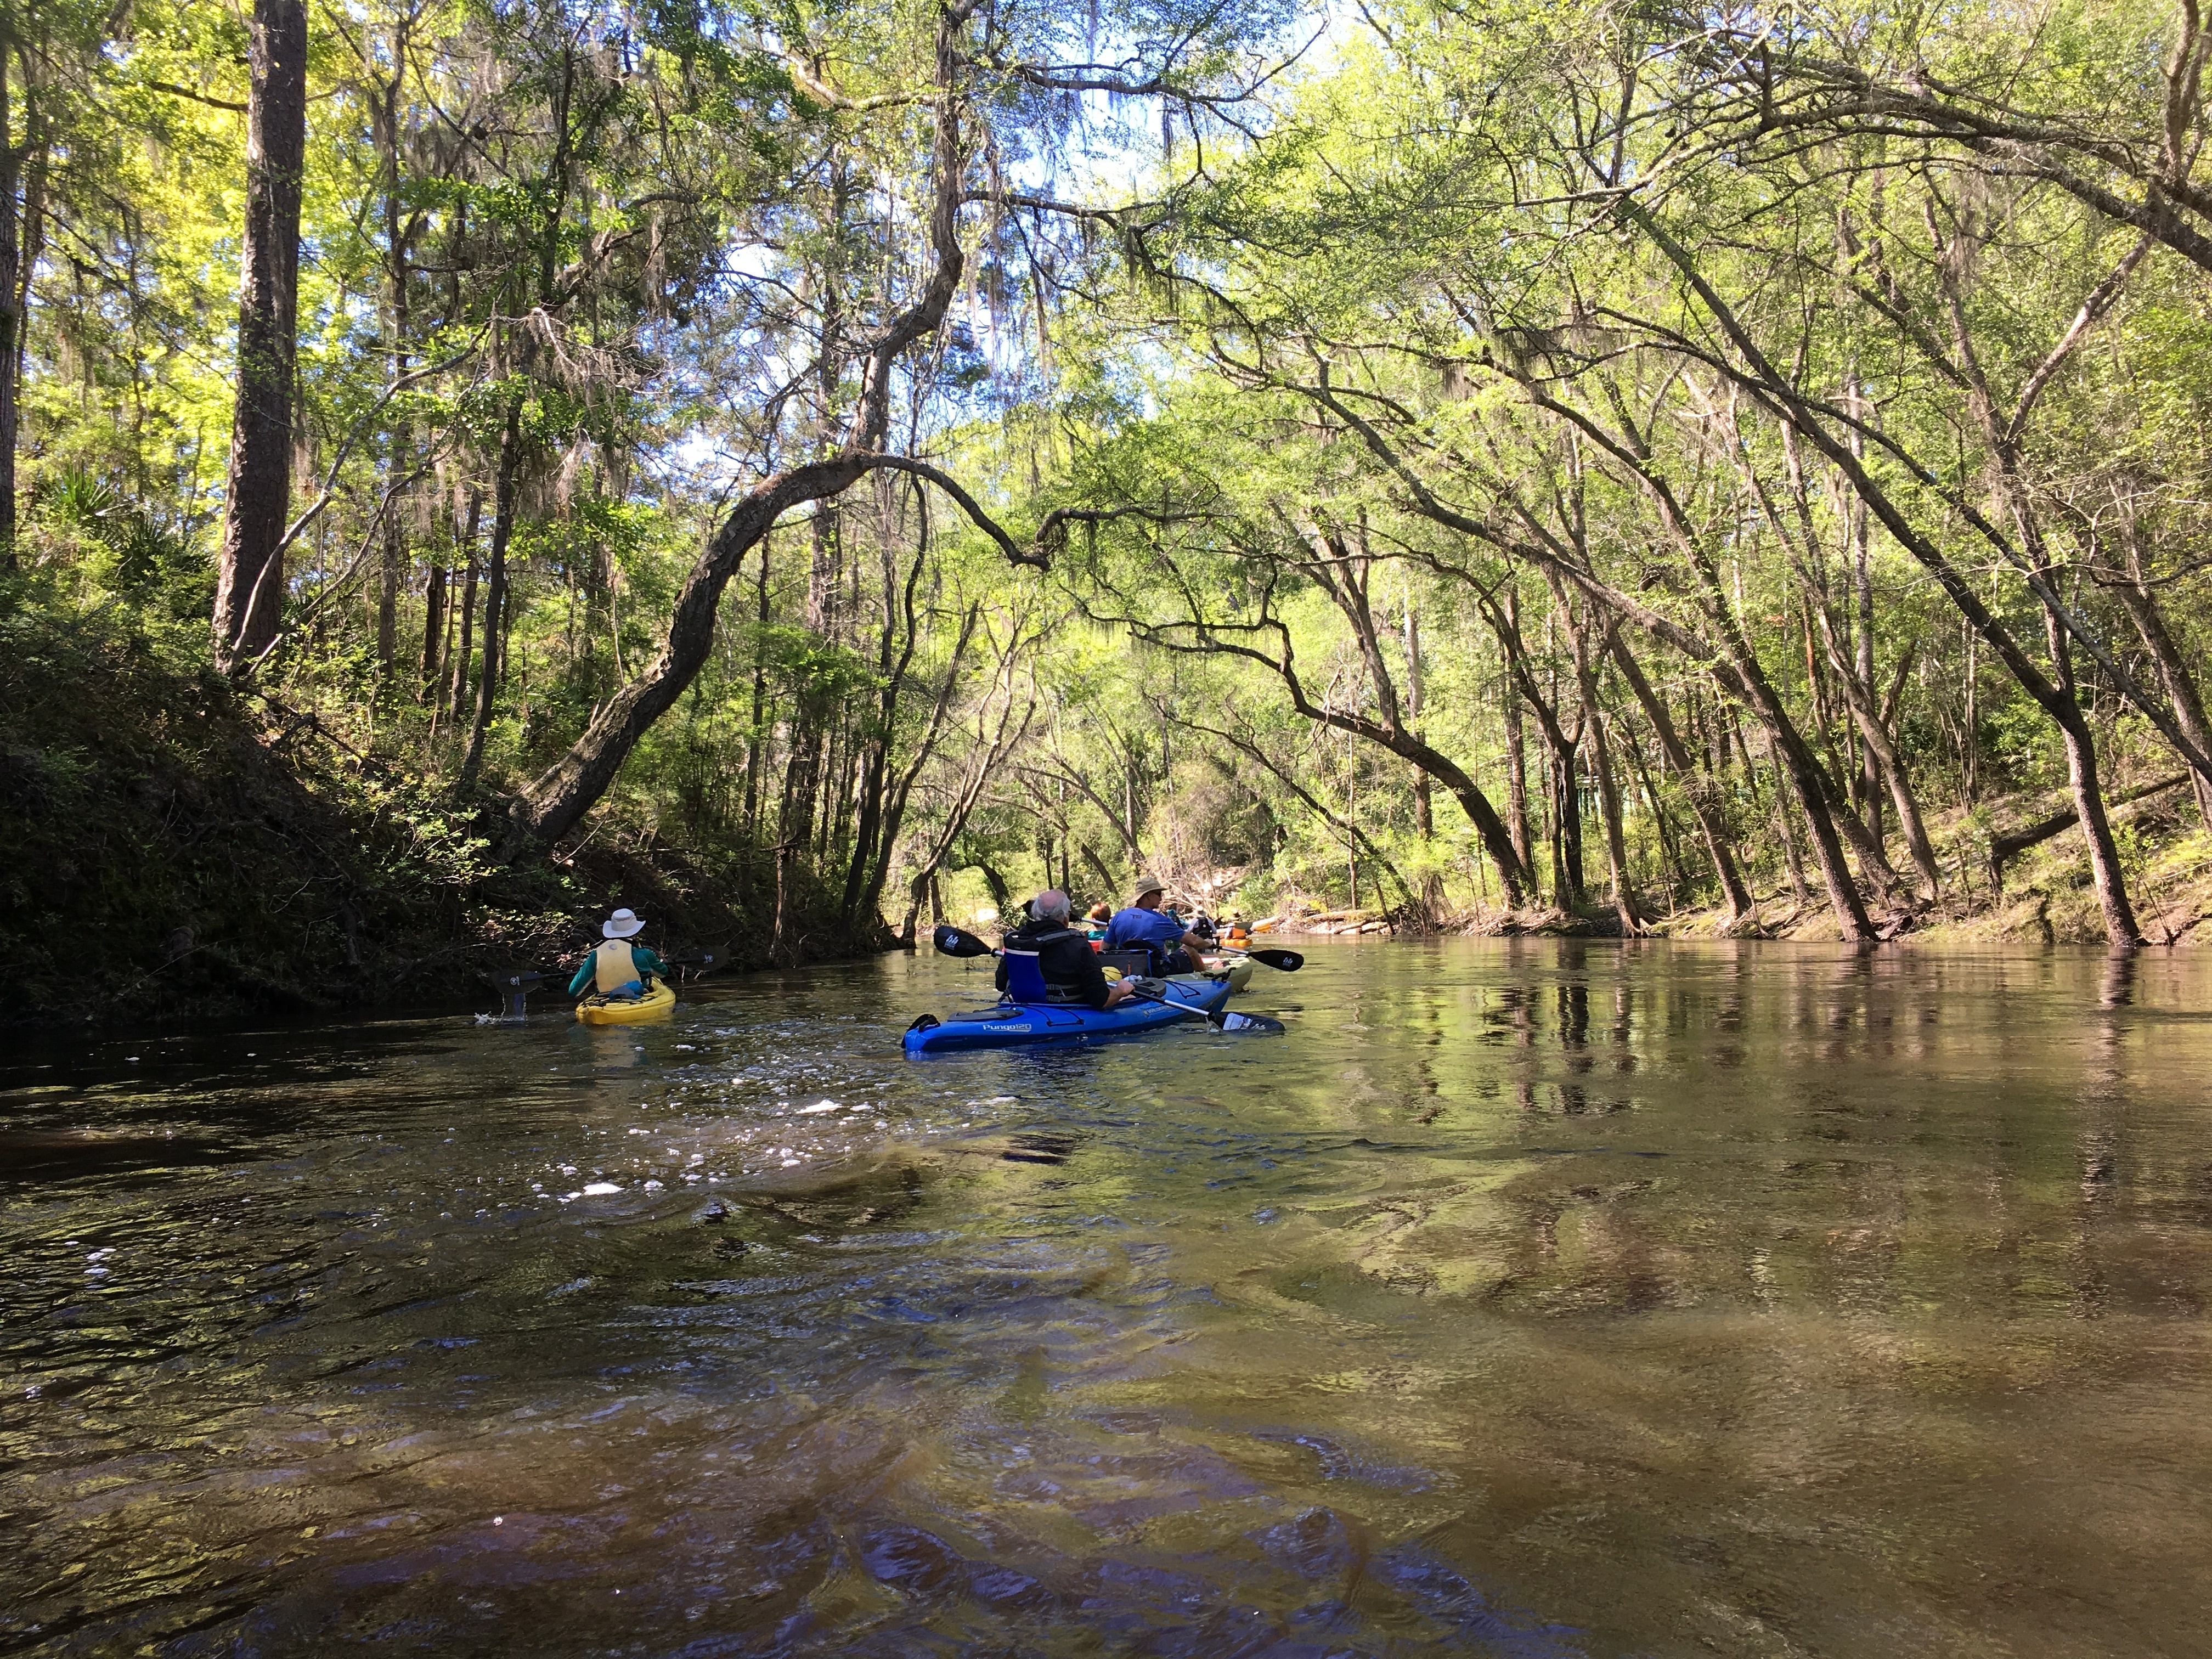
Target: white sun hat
x: 621, y: 925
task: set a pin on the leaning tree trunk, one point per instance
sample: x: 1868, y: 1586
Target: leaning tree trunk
x: 2057, y: 702
x: 2105, y: 872
x: 2135, y: 595
x: 1885, y: 767
x: 250, y: 573
x: 560, y: 796
x: 1697, y: 785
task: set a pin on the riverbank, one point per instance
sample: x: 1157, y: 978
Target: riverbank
x: 1996, y: 889
x: 174, y: 848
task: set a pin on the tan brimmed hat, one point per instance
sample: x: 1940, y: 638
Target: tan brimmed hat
x: 621, y: 925
x: 1146, y: 884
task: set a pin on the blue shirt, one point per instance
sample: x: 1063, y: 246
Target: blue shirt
x: 1153, y: 930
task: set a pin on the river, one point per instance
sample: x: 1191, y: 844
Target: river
x: 1529, y: 1298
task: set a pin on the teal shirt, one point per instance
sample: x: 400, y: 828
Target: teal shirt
x: 641, y: 954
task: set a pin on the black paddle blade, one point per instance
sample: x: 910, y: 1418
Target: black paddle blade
x: 1258, y: 1024
x: 1255, y: 1023
x: 708, y: 958
x: 1288, y: 961
x: 957, y: 941
x: 515, y: 985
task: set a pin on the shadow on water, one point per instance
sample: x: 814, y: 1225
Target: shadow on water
x: 1530, y: 1297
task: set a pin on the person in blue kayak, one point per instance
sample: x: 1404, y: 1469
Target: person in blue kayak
x: 1047, y: 959
x: 617, y: 968
x: 1144, y: 926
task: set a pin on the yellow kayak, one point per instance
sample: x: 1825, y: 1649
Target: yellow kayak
x: 656, y: 1004
x: 1237, y: 971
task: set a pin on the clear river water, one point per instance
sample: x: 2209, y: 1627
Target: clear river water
x: 1532, y: 1299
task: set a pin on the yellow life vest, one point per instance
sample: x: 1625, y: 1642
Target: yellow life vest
x: 613, y: 966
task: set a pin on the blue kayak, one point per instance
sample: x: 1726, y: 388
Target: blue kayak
x: 1011, y: 1024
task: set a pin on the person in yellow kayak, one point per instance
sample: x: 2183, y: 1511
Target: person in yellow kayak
x: 617, y: 968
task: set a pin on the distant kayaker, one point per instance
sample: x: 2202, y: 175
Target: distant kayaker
x: 1239, y: 930
x: 617, y: 968
x: 1062, y: 956
x: 1102, y: 913
x: 1144, y: 926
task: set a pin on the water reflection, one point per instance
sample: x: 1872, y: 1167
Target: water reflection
x: 1529, y: 1298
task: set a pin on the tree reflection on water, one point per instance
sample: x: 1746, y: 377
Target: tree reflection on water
x: 1529, y: 1298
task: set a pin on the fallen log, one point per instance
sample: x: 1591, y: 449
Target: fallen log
x: 2003, y: 848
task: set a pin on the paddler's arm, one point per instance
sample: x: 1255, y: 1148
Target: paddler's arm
x: 647, y: 962
x: 583, y: 974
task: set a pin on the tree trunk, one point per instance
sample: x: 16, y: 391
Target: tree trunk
x: 390, y: 567
x: 1565, y: 831
x: 2058, y: 703
x: 1884, y: 767
x: 1848, y: 654
x: 757, y: 738
x: 496, y: 606
x: 433, y: 629
x: 23, y: 240
x: 1703, y: 795
x: 566, y: 791
x: 465, y: 648
x: 1424, y: 824
x: 2173, y: 668
x: 1873, y: 764
x: 2007, y: 845
x: 1793, y: 861
x: 1608, y: 790
x: 803, y: 773
x: 2105, y: 872
x: 1672, y: 870
x: 1566, y: 804
x: 385, y: 124
x: 12, y: 318
x: 884, y: 803
x: 249, y: 572
x: 1516, y: 770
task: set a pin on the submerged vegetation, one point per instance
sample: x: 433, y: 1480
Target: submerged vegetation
x: 819, y: 468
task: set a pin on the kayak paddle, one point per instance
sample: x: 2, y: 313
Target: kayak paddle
x: 1226, y: 1020
x: 959, y: 942
x: 516, y: 984
x: 1288, y: 961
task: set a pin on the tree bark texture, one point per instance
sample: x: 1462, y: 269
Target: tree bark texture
x: 494, y: 610
x: 11, y: 272
x: 249, y: 571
